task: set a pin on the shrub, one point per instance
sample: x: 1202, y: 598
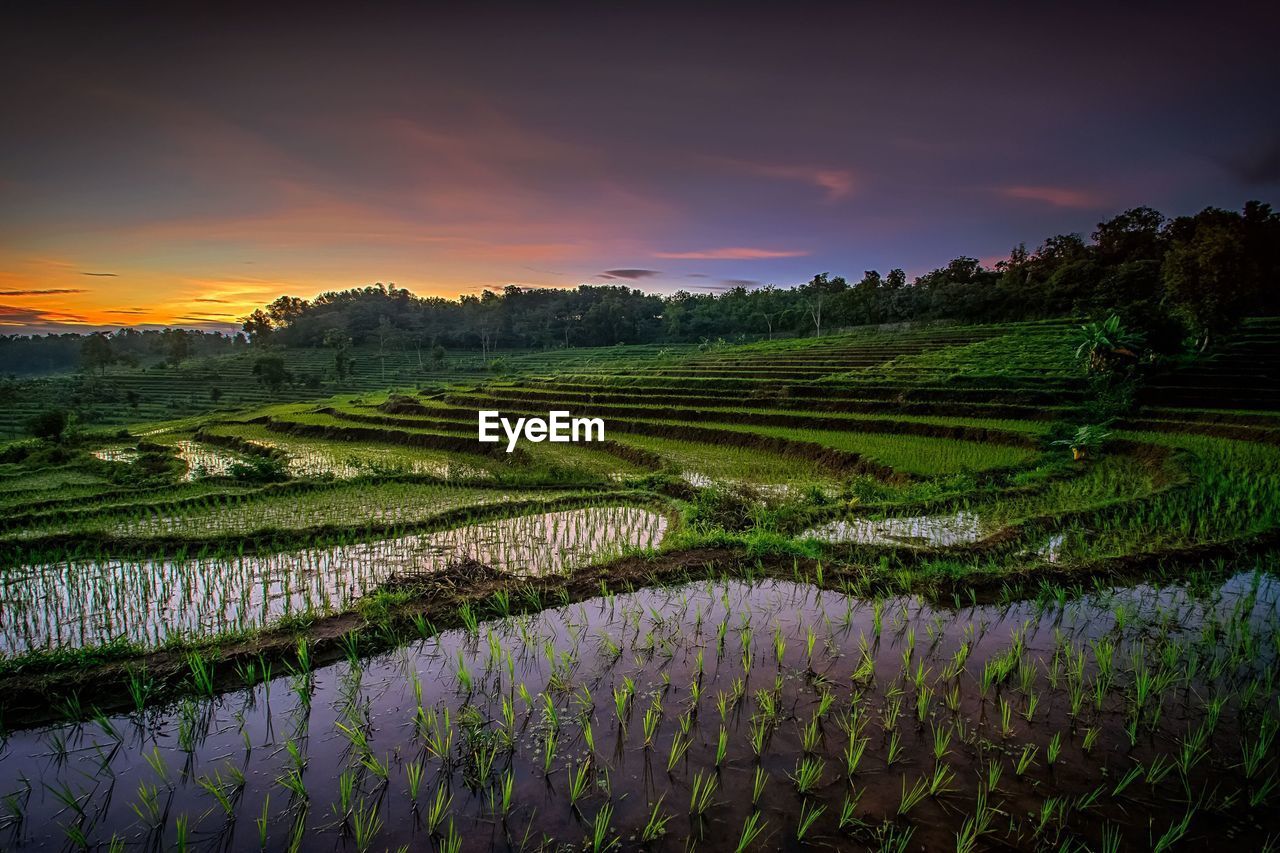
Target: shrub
x: 258, y: 469
x: 50, y: 425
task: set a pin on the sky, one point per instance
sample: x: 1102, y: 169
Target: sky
x: 170, y: 166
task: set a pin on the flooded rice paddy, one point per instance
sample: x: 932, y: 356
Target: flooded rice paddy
x: 961, y: 528
x: 88, y: 603
x: 716, y: 715
x: 116, y: 454
x: 204, y: 460
x: 317, y: 460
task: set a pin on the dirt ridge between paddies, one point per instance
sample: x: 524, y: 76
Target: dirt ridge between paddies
x: 1236, y: 432
x: 638, y: 456
x: 45, y: 691
x: 430, y: 441
x: 766, y: 398
x: 62, y: 547
x: 236, y: 494
x: 845, y: 391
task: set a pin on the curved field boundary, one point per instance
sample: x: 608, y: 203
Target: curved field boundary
x: 431, y: 441
x: 1258, y: 434
x: 768, y: 399
x: 122, y: 497
x: 991, y: 487
x: 1028, y: 531
x: 32, y: 690
x: 74, y: 546
x: 830, y: 390
x: 237, y: 444
x: 839, y: 461
x: 1211, y: 416
x: 629, y: 415
x: 266, y: 492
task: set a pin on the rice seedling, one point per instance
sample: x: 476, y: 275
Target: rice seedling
x: 1025, y: 760
x: 941, y: 743
x: 702, y: 793
x: 656, y: 826
x: 263, y: 822
x: 976, y: 825
x: 601, y: 830
x: 679, y: 747
x: 941, y: 781
x: 912, y: 797
x: 438, y: 810
x: 752, y: 828
x: 366, y: 823
x: 895, y: 749
x: 1174, y: 833
x: 1130, y: 776
x: 758, y: 782
x: 809, y: 814
x: 201, y: 674
x: 854, y: 751
x: 1053, y: 749
x: 579, y: 782
x: 807, y: 775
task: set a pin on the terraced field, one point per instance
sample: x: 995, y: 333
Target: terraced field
x: 852, y: 592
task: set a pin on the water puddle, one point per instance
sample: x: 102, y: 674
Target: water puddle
x: 920, y: 531
x: 773, y: 490
x: 1051, y: 550
x: 304, y: 461
x: 116, y: 454
x: 79, y: 604
x: 203, y: 460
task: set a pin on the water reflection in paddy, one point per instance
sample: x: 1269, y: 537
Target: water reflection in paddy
x: 961, y: 528
x: 149, y: 601
x: 528, y: 704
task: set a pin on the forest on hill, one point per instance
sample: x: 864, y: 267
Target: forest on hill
x: 1182, y: 280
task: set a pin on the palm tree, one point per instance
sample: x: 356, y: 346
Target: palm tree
x: 1108, y: 345
x: 1086, y: 438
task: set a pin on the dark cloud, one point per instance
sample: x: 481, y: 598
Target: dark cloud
x: 631, y: 274
x: 40, y: 292
x: 124, y: 311
x: 432, y: 161
x: 740, y: 282
x: 12, y: 315
x: 697, y: 275
x: 102, y: 274
x: 208, y: 299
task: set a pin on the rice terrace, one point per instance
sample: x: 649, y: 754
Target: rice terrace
x: 840, y: 590
x: 623, y: 520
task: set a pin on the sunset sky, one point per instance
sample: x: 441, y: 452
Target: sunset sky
x: 179, y: 168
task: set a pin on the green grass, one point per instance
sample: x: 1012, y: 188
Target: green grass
x: 359, y: 471
x: 911, y: 454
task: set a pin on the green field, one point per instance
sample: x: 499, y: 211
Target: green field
x: 854, y: 591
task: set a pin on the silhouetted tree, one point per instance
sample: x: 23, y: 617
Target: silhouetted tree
x: 271, y: 372
x: 96, y: 353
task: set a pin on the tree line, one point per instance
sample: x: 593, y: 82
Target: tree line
x: 1179, y: 280
x: 32, y: 355
x: 1189, y: 278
